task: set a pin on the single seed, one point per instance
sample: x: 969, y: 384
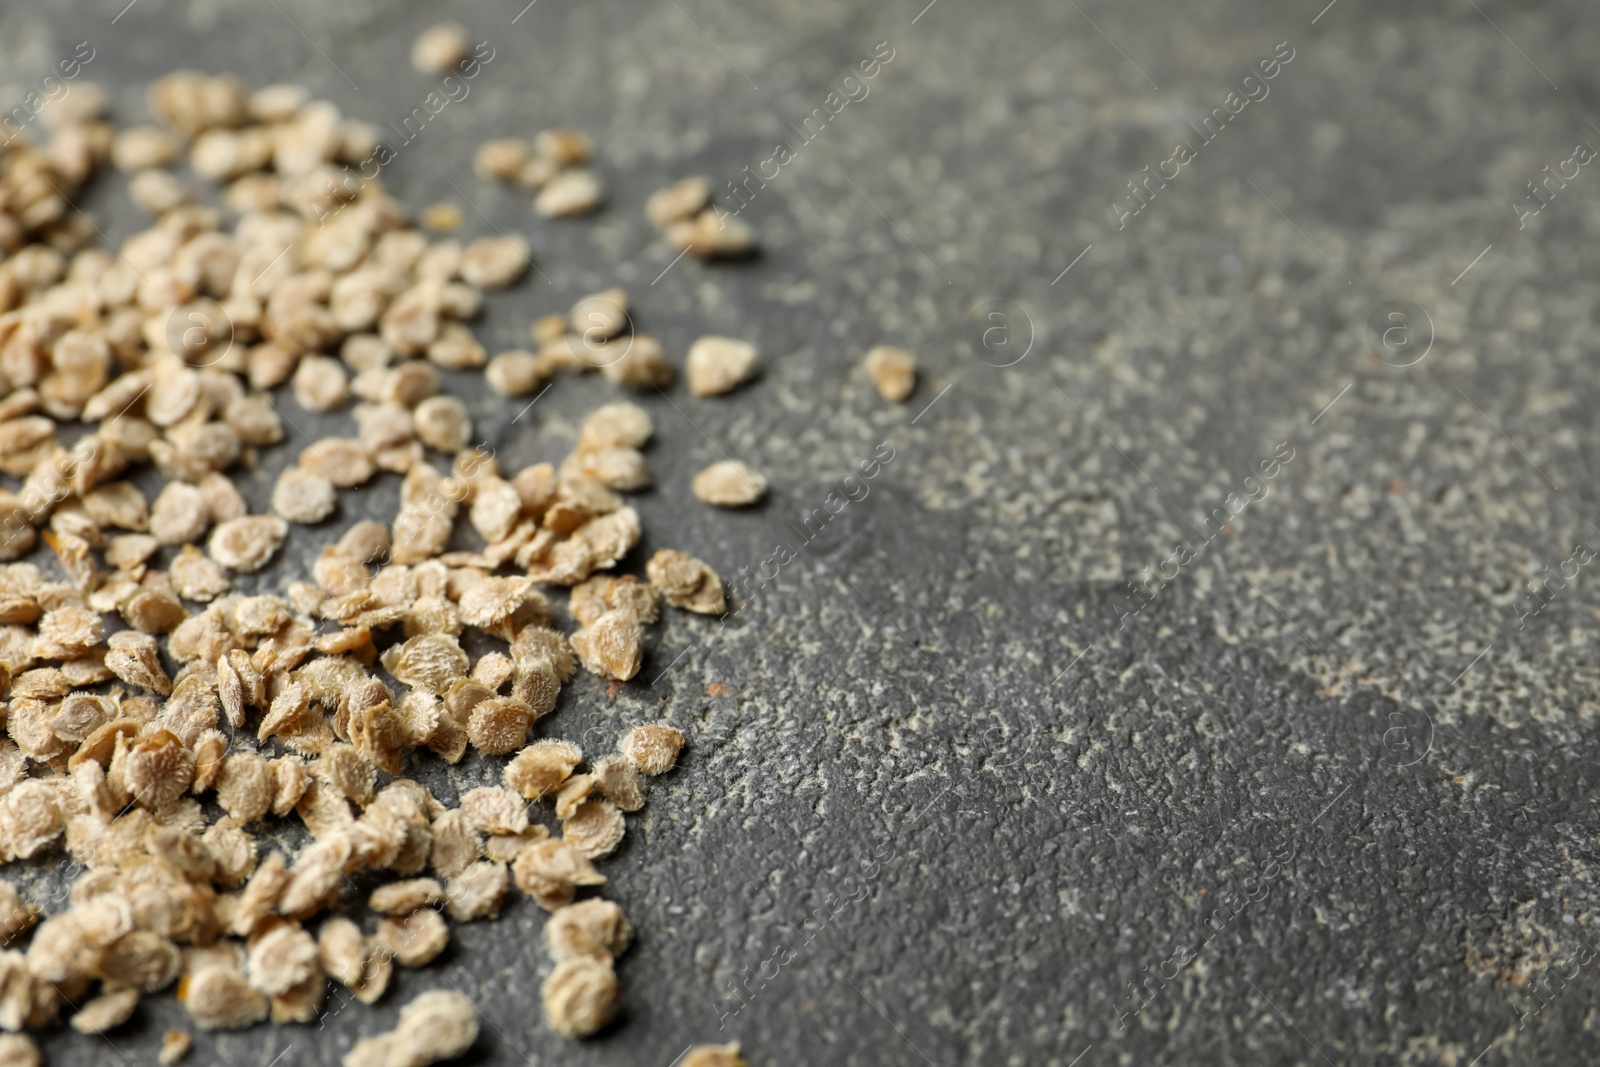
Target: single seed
x: 572, y: 192
x: 439, y: 48
x: 304, y: 497
x: 893, y: 371
x: 717, y: 365
x: 443, y: 217
x: 678, y: 202
x: 730, y: 484
x: 581, y: 996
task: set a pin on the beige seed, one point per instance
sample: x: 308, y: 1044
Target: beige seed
x: 277, y: 103
x: 612, y: 647
x: 493, y: 670
x: 142, y: 147
x: 68, y: 631
x: 618, y: 779
x: 443, y: 217
x: 566, y: 148
x: 548, y: 328
x: 339, y: 950
x: 572, y: 192
x: 174, y: 1047
x: 501, y: 159
x: 196, y: 577
x: 255, y: 420
x: 678, y: 202
x: 595, y: 829
x: 343, y: 461
x: 246, y: 544
x: 714, y: 235
x: 30, y: 816
x: 539, y: 769
x: 403, y: 898
x: 320, y: 383
x: 619, y: 425
x: 550, y: 871
x: 141, y: 959
x: 270, y: 365
x: 624, y: 469
x: 730, y: 484
x: 223, y: 499
x: 158, y: 191
x: 365, y: 541
x: 599, y: 316
x: 439, y: 48
x: 653, y: 748
x: 157, y: 769
x: 514, y: 373
x: 134, y: 658
x: 686, y: 582
x: 442, y: 423
x: 16, y: 1050
x: 640, y: 365
x: 477, y: 891
x: 893, y: 371
x: 219, y: 998
x: 496, y: 507
x: 106, y: 1012
x: 415, y: 939
x: 714, y: 1056
x: 593, y: 928
x: 245, y: 786
x: 437, y: 1025
x: 499, y: 725
x: 580, y: 996
x: 495, y: 262
x: 281, y: 958
x: 117, y: 504
x: 717, y: 365
x: 380, y: 1050
x: 179, y: 515
x: 303, y: 497
x: 574, y: 791
x: 17, y: 916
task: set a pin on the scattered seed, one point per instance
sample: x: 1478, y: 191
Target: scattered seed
x: 416, y: 939
x: 501, y: 159
x: 594, y: 928
x: 717, y: 365
x: 571, y: 192
x: 304, y: 497
x: 442, y: 217
x: 174, y: 1047
x: 595, y: 829
x: 686, y: 582
x: 653, y: 748
x: 714, y: 235
x: 612, y: 647
x: 17, y: 1051
x: 730, y: 484
x: 893, y: 371
x: 714, y: 1056
x: 246, y: 544
x: 678, y: 202
x: 495, y: 262
x: 439, y: 48
x: 581, y: 996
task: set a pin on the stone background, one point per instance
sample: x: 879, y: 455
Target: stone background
x: 1332, y: 708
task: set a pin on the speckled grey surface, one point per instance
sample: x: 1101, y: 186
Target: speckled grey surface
x: 1044, y: 795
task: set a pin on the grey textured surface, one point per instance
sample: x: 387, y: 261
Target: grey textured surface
x: 1056, y: 794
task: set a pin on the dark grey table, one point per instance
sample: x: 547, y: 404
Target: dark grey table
x: 1320, y: 781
